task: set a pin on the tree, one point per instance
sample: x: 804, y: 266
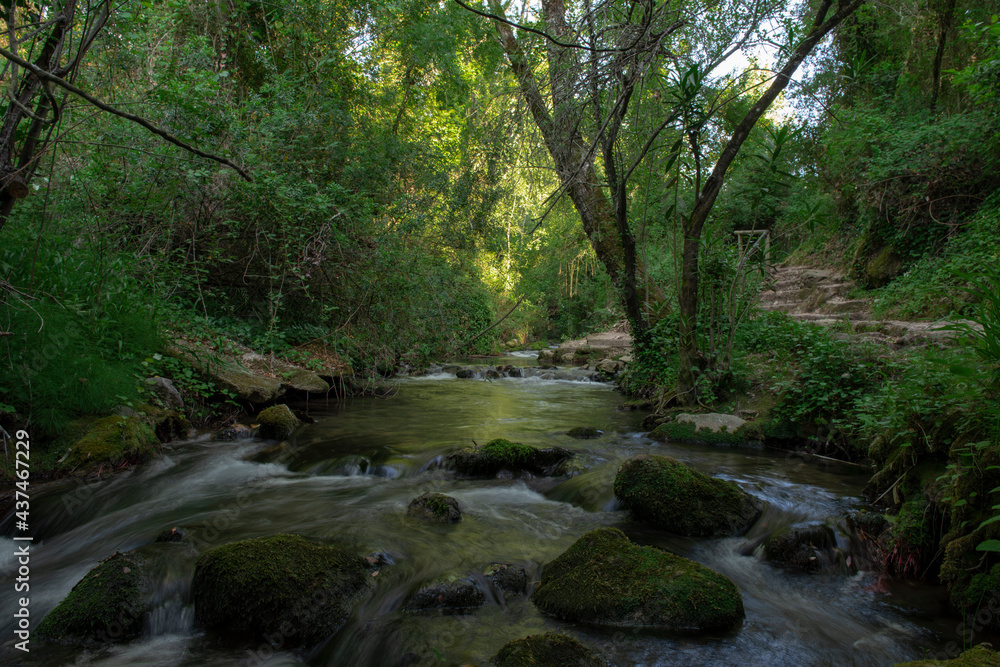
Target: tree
x: 615, y: 55
x: 61, y: 33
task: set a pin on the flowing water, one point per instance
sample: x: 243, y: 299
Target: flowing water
x: 349, y: 477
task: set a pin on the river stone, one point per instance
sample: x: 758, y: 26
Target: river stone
x: 670, y: 495
x: 583, y: 432
x: 501, y: 454
x: 280, y: 589
x: 170, y: 535
x: 800, y: 547
x: 713, y: 421
x: 548, y: 649
x: 166, y: 393
x: 277, y: 422
x: 448, y: 594
x: 250, y: 387
x: 236, y: 432
x: 306, y: 381
x: 605, y: 579
x: 105, y: 606
x: 508, y: 579
x: 466, y: 374
x: 435, y: 507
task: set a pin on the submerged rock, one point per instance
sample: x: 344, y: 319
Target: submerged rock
x: 508, y: 579
x: 604, y: 578
x: 501, y: 454
x: 435, y: 507
x: 236, y: 432
x: 277, y: 422
x: 466, y: 374
x: 800, y: 547
x: 675, y: 497
x: 171, y: 535
x: 282, y: 589
x: 448, y: 594
x: 583, y: 432
x: 544, y: 650
x: 106, y: 606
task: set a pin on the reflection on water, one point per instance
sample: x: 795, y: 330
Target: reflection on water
x: 349, y: 477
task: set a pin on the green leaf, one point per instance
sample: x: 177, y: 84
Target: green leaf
x: 989, y: 545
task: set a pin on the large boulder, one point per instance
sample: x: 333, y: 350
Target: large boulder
x: 706, y: 429
x: 670, y: 495
x: 435, y: 507
x: 500, y: 454
x: 283, y: 589
x: 106, y: 606
x: 246, y: 386
x: 277, y: 422
x: 306, y: 382
x: 109, y: 443
x: 544, y: 650
x: 605, y: 579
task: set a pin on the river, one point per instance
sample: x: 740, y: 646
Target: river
x: 349, y: 477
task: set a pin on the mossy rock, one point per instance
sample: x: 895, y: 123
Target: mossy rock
x: 106, y: 606
x: 803, y: 548
x: 167, y: 424
x: 605, y: 579
x: 277, y: 422
x: 501, y: 454
x: 449, y: 593
x: 583, y: 432
x: 282, y: 586
x: 979, y: 656
x: 435, y: 507
x: 548, y: 650
x: 670, y: 495
x: 113, y: 442
x: 688, y: 432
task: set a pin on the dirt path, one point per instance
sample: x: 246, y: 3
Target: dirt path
x: 824, y: 297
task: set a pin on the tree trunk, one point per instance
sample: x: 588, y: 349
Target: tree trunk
x: 688, y: 351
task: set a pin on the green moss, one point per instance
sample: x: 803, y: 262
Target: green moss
x: 583, y: 432
x: 605, y: 579
x: 501, y: 454
x: 112, y: 442
x: 435, y: 506
x: 972, y: 595
x: 675, y: 497
x: 277, y: 422
x: 105, y: 606
x: 284, y: 586
x: 676, y: 432
x: 980, y: 656
x: 550, y: 649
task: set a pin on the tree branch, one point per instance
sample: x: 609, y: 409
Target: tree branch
x: 138, y: 120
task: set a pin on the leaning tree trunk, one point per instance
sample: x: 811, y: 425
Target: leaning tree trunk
x: 689, y: 353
